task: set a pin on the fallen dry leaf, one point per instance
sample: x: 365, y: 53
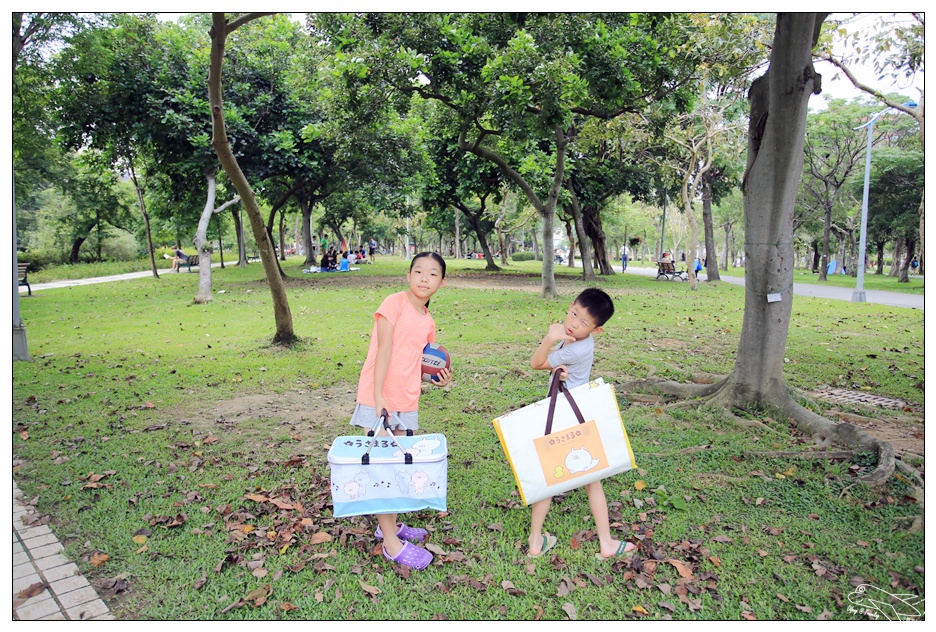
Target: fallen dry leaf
x: 370, y: 590
x: 570, y: 610
x: 139, y: 539
x: 640, y: 610
x: 286, y: 606
x: 32, y: 590
x: 640, y: 486
x: 98, y: 558
x: 320, y: 537
x: 750, y: 616
x: 684, y: 569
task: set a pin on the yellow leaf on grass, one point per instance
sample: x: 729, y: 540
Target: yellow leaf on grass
x: 640, y: 486
x: 640, y: 609
x: 139, y: 539
x: 714, y: 559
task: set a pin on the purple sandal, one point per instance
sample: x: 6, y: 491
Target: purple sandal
x: 413, y: 534
x: 410, y: 555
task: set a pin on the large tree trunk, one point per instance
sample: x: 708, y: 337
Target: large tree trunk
x: 75, y: 250
x: 595, y: 232
x: 219, y: 32
x: 779, y: 105
x: 711, y: 255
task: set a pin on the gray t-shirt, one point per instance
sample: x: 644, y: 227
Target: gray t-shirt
x: 578, y: 357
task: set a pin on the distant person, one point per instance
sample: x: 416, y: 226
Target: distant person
x: 914, y: 264
x: 178, y: 256
x: 625, y: 256
x: 667, y: 258
x: 345, y: 264
x: 372, y: 245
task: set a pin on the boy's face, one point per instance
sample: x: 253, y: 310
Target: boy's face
x: 579, y: 323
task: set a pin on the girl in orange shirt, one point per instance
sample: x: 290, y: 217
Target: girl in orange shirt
x: 391, y: 380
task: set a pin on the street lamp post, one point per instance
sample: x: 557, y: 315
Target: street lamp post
x: 858, y: 295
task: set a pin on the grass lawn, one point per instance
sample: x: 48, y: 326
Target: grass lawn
x: 175, y: 440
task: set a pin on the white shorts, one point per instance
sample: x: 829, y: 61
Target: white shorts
x: 366, y: 416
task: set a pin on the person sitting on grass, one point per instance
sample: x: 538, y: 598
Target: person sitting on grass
x: 571, y: 361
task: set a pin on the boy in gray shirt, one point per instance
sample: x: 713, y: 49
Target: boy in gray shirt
x: 572, y: 361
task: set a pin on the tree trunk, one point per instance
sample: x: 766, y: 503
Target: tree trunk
x: 75, y: 250
x: 282, y: 236
x: 220, y: 244
x: 305, y: 209
x: 902, y: 274
x: 202, y: 245
x: 879, y: 267
x: 458, y: 236
x: 595, y: 232
x: 570, y: 234
x: 769, y: 185
x: 826, y: 230
x: 241, y: 244
x: 588, y: 272
x: 282, y: 315
x: 475, y: 220
x: 146, y: 223
x: 711, y: 255
x: 898, y: 253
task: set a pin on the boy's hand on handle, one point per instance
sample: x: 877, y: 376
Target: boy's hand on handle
x: 561, y: 372
x: 445, y: 376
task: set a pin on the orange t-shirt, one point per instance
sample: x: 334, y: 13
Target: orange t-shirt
x: 411, y: 331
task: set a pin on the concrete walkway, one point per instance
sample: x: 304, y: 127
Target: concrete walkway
x: 62, y: 592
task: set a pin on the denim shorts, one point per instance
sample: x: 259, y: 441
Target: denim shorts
x: 366, y: 416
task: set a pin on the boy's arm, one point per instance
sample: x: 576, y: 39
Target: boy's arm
x: 555, y: 333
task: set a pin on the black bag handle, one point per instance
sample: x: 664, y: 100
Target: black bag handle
x: 554, y: 389
x: 384, y: 418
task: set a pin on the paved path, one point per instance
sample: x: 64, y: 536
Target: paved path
x: 894, y: 299
x: 62, y: 592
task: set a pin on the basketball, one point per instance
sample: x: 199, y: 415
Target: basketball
x: 434, y: 359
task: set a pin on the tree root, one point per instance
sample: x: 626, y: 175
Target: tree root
x: 752, y: 423
x: 783, y: 454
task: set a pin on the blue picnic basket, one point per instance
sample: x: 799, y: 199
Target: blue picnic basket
x: 388, y: 474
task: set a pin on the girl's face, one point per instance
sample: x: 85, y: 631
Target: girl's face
x: 425, y: 278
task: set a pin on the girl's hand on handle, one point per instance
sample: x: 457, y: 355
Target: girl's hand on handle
x: 445, y: 376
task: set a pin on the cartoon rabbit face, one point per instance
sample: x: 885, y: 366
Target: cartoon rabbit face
x: 580, y: 460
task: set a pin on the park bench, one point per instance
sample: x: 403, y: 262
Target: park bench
x: 22, y: 269
x: 192, y: 261
x: 254, y: 257
x: 667, y: 270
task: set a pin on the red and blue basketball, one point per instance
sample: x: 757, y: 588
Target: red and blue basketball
x: 434, y: 359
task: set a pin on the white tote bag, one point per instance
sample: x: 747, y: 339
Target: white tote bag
x: 571, y: 438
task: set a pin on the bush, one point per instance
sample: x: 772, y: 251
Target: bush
x: 524, y: 255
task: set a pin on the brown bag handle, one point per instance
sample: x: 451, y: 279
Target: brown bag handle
x: 554, y: 389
